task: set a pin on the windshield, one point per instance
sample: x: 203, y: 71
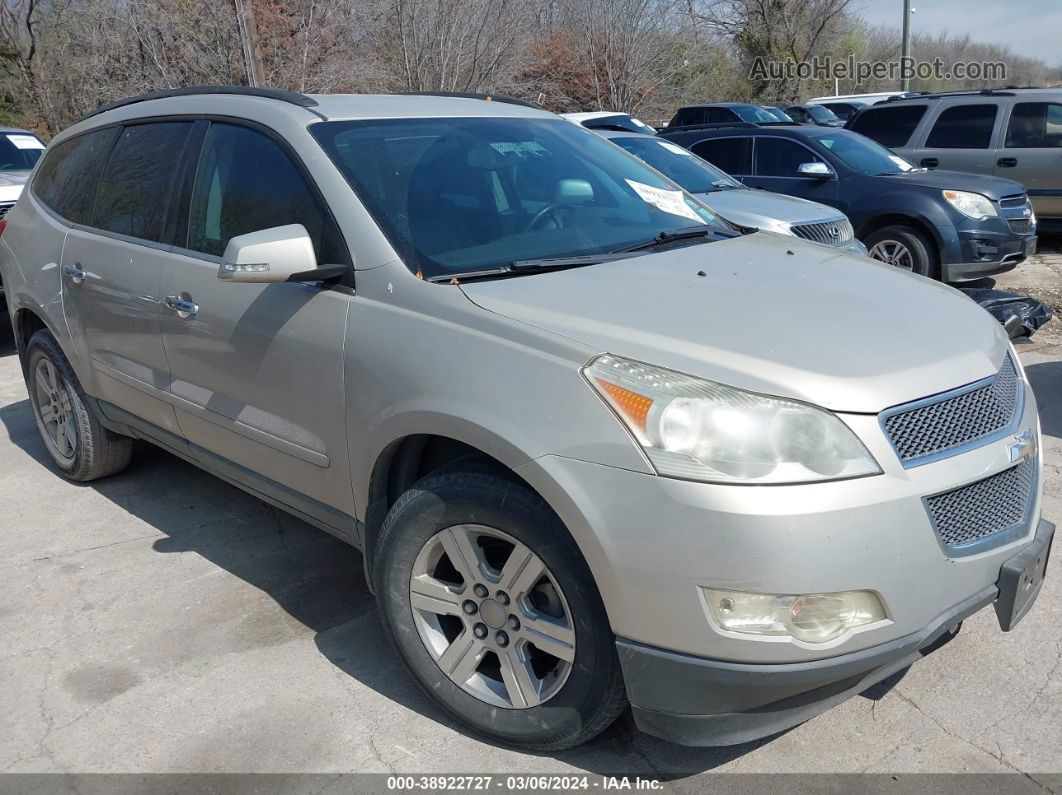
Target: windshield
x: 821, y: 114
x: 757, y: 114
x: 863, y: 155
x: 678, y: 164
x: 19, y: 151
x: 457, y: 195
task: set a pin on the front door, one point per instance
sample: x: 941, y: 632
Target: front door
x: 1031, y: 153
x: 776, y: 163
x: 112, y: 267
x: 256, y: 370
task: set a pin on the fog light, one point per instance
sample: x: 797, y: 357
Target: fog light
x: 812, y: 618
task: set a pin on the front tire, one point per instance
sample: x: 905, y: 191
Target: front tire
x: 905, y: 247
x: 77, y: 442
x: 493, y: 610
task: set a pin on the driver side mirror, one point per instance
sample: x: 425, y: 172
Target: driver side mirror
x: 815, y: 170
x: 270, y: 255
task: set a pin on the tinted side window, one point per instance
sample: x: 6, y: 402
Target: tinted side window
x: 1035, y: 125
x: 729, y: 154
x: 690, y: 116
x: 247, y: 183
x: 890, y: 126
x: 135, y: 187
x: 797, y: 114
x: 779, y: 157
x: 963, y: 127
x: 67, y: 179
x: 721, y: 116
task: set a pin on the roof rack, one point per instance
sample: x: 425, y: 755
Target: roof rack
x: 713, y: 126
x: 973, y: 92
x: 250, y: 91
x: 720, y: 125
x: 472, y: 95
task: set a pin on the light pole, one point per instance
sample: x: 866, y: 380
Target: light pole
x: 905, y: 50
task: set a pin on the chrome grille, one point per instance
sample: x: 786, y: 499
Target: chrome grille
x: 5, y: 208
x: 832, y: 233
x: 928, y: 427
x: 978, y: 510
x: 1018, y: 200
x: 1021, y: 226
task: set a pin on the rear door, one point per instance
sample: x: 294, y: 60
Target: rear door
x: 961, y: 136
x: 257, y: 369
x: 1031, y: 153
x: 112, y: 265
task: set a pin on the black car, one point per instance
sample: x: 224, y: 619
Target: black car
x: 818, y: 115
x: 945, y: 224
x: 726, y: 112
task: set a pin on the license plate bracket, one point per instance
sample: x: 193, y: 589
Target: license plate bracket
x: 1021, y: 578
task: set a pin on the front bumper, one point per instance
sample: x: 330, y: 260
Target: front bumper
x: 695, y: 701
x: 982, y: 251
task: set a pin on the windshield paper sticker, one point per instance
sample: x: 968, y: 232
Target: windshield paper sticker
x: 25, y: 141
x: 678, y: 150
x: 670, y: 201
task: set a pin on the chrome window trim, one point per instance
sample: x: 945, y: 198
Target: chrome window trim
x: 973, y: 444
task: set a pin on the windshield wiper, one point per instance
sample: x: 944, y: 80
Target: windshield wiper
x: 672, y: 236
x: 522, y: 267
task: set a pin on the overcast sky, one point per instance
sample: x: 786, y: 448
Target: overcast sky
x: 1029, y: 27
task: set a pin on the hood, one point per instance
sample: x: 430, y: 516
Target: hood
x: 749, y: 207
x: 772, y: 315
x: 992, y: 187
x: 11, y: 184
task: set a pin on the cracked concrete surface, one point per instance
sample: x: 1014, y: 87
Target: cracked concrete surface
x: 162, y: 620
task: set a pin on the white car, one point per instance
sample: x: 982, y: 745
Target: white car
x: 610, y: 120
x: 19, y: 152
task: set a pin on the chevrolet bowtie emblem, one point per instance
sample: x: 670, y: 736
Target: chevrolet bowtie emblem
x: 1023, y: 445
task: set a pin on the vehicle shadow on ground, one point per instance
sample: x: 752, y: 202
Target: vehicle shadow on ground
x: 1046, y: 381
x: 318, y: 580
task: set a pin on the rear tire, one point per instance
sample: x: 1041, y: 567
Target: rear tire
x: 576, y: 693
x: 905, y: 247
x: 80, y: 446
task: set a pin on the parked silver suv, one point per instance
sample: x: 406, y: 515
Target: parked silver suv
x: 1014, y: 133
x: 597, y: 447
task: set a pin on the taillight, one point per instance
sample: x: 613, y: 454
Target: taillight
x: 3, y: 225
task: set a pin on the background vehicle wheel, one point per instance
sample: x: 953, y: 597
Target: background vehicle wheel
x: 904, y: 247
x: 493, y: 610
x: 80, y: 446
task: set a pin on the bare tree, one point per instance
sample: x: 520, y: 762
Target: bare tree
x: 775, y: 30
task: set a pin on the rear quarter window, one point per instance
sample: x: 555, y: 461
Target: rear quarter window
x: 891, y: 127
x: 66, y: 181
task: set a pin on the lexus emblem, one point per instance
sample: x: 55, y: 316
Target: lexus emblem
x: 833, y: 231
x: 1023, y: 445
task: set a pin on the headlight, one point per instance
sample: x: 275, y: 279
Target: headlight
x: 812, y: 618
x: 972, y: 205
x: 694, y: 429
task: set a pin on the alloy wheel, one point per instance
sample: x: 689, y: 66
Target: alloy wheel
x: 892, y: 252
x: 56, y: 411
x: 492, y: 616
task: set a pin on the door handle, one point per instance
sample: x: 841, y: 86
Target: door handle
x: 74, y: 273
x: 930, y: 162
x: 183, y: 308
x: 1007, y: 162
